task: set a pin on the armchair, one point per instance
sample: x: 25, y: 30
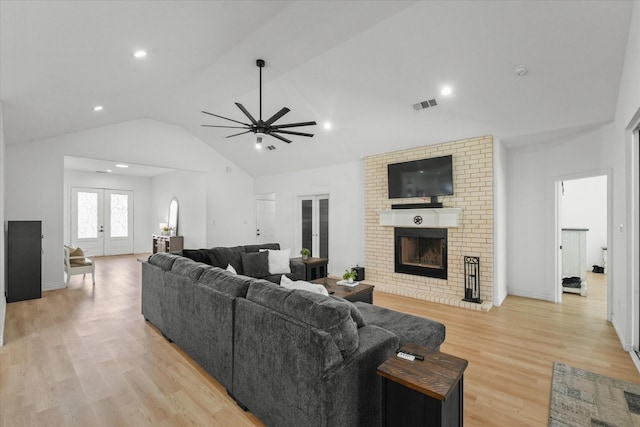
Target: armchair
x: 76, y: 263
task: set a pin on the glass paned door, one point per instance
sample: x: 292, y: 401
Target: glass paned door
x: 314, y: 224
x: 101, y: 221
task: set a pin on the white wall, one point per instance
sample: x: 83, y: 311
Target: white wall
x: 35, y: 180
x: 3, y: 300
x: 624, y: 259
x: 141, y: 187
x: 584, y: 205
x: 499, y: 222
x: 345, y: 185
x: 188, y: 187
x: 531, y: 226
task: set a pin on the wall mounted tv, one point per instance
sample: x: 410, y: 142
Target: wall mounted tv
x: 421, y: 178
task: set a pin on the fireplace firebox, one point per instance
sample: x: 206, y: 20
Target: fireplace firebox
x: 421, y: 251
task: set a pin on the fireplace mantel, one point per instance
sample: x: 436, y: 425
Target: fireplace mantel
x: 420, y: 218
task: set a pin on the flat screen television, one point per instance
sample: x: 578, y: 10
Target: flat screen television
x: 421, y: 178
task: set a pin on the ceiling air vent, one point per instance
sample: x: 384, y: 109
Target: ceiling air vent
x: 270, y: 147
x: 425, y: 104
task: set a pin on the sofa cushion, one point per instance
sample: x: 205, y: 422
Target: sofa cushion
x: 225, y: 282
x: 163, y: 260
x: 408, y: 328
x: 256, y: 248
x: 287, y: 283
x: 221, y: 257
x: 188, y: 268
x: 316, y: 310
x: 353, y: 310
x: 278, y: 261
x: 255, y: 264
x: 198, y: 255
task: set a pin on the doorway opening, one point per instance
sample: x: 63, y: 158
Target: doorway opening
x: 583, y: 233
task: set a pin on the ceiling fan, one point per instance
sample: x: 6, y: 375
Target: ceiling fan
x: 260, y: 127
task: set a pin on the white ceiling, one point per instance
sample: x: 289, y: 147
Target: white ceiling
x: 359, y: 64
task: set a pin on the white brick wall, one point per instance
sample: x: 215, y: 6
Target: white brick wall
x: 473, y: 188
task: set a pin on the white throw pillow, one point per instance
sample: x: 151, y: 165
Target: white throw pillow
x: 287, y: 283
x: 231, y: 270
x: 278, y: 261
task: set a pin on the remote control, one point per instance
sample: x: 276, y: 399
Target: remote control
x: 406, y: 356
x: 417, y: 356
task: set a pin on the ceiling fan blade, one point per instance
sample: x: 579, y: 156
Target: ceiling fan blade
x: 293, y: 125
x: 288, y: 132
x: 236, y: 134
x: 246, y: 113
x: 230, y: 127
x: 280, y: 138
x: 226, y: 118
x: 277, y: 115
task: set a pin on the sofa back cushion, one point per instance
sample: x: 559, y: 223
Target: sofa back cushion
x: 316, y: 310
x: 221, y: 257
x: 225, y: 282
x: 198, y: 255
x: 188, y: 268
x: 255, y: 264
x: 256, y: 248
x: 163, y: 260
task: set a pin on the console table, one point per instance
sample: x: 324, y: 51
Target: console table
x: 161, y: 243
x: 316, y: 267
x: 423, y: 392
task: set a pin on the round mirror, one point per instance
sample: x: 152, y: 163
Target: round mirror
x: 173, y: 217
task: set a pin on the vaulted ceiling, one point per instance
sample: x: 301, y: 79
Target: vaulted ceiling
x: 360, y: 65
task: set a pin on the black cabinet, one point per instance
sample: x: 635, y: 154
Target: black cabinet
x: 24, y: 260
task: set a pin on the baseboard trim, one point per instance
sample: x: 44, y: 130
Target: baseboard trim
x: 626, y: 344
x: 53, y: 286
x: 524, y: 294
x: 635, y: 359
x: 3, y: 312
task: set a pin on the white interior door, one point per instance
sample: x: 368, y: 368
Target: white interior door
x: 314, y: 224
x: 102, y: 221
x: 118, y: 231
x: 265, y: 221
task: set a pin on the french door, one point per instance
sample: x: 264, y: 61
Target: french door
x: 314, y: 224
x: 102, y: 221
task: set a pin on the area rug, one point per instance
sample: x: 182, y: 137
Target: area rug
x: 583, y: 398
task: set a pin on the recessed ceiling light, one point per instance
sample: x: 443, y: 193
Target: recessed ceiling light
x: 446, y: 91
x: 327, y: 125
x: 98, y: 108
x: 109, y: 171
x: 120, y: 165
x: 140, y: 53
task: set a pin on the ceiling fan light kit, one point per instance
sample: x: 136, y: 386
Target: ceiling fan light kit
x: 260, y: 127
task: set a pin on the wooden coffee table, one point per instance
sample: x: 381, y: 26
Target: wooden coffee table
x: 361, y: 292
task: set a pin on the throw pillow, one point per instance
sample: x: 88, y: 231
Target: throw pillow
x: 278, y: 261
x: 231, y: 270
x: 255, y: 264
x: 76, y: 252
x: 287, y: 283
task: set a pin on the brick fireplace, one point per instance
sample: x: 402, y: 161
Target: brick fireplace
x: 421, y: 251
x: 469, y: 234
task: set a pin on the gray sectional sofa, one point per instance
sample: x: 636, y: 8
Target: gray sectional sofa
x: 291, y: 357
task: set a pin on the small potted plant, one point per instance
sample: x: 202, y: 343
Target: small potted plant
x: 349, y: 275
x: 166, y: 230
x: 305, y: 253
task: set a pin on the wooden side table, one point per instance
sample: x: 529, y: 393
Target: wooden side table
x: 316, y: 267
x: 422, y: 393
x: 161, y: 243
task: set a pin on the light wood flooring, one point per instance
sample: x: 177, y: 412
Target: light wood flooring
x: 84, y: 356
